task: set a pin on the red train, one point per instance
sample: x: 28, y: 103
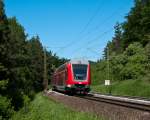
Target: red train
x: 72, y: 77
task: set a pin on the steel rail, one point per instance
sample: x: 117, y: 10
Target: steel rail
x: 139, y: 104
x: 123, y: 96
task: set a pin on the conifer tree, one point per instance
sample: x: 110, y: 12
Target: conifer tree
x: 136, y: 28
x: 4, y: 31
x: 117, y: 39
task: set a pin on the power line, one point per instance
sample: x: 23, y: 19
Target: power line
x: 104, y: 22
x: 93, y: 51
x: 97, y: 27
x: 92, y: 18
x: 97, y: 38
x: 107, y: 19
x: 55, y: 47
x: 84, y: 28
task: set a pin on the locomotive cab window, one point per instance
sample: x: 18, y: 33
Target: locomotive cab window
x: 79, y: 71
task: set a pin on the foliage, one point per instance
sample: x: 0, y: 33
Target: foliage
x: 6, y: 109
x: 136, y: 62
x: 115, y: 46
x: 99, y: 73
x: 53, y: 62
x: 129, y: 65
x: 21, y: 64
x: 36, y: 53
x: 42, y: 108
x: 136, y: 28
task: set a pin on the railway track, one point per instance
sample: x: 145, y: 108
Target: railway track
x: 126, y: 101
x: 138, y: 103
x: 123, y: 96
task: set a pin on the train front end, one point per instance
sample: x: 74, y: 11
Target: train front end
x: 79, y: 77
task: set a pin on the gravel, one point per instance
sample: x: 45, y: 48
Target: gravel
x: 105, y: 110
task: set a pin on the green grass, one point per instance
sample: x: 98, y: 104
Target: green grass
x: 127, y: 87
x: 42, y: 108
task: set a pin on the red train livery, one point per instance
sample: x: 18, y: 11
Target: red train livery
x: 72, y: 77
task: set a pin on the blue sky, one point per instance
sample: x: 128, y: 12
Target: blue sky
x: 70, y: 28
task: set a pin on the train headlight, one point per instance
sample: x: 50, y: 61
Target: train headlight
x: 80, y: 82
x: 69, y: 85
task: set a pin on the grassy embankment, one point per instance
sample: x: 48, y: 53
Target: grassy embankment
x: 127, y: 87
x: 42, y: 108
x: 132, y: 87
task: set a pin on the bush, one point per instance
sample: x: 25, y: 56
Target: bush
x: 6, y: 110
x: 131, y: 64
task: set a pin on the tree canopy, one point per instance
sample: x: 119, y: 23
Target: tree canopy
x: 128, y: 53
x: 21, y: 65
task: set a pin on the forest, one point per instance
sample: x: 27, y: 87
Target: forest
x: 21, y: 65
x: 127, y: 56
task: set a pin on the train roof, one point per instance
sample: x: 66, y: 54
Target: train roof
x: 79, y: 61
